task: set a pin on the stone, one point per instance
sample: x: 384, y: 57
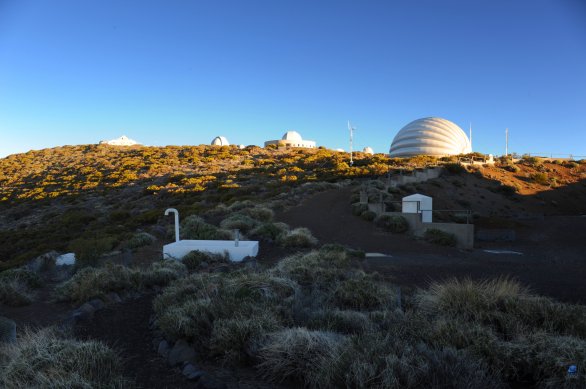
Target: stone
x: 84, y: 313
x: 163, y: 348
x: 113, y: 297
x: 42, y: 262
x: 180, y: 353
x: 206, y: 381
x: 97, y: 304
x: 191, y: 372
x: 204, y: 264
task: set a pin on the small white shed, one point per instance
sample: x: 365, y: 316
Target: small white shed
x: 418, y: 203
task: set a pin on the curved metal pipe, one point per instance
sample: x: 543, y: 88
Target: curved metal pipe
x: 176, y: 212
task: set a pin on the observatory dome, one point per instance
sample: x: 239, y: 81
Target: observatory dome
x: 368, y: 150
x: 292, y: 136
x: 220, y: 141
x: 430, y: 136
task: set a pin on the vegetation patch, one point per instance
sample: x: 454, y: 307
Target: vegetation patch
x: 298, y: 237
x: 393, y: 223
x: 17, y: 286
x: 440, y: 237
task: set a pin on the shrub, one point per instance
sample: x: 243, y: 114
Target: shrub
x: 342, y: 321
x: 16, y: 286
x: 269, y: 231
x: 140, y: 239
x: 316, y: 267
x: 511, y: 168
x: 387, y: 361
x: 440, y: 237
x: 194, y: 259
x: 194, y: 227
x: 540, y: 178
x: 300, y: 354
x: 88, y: 250
x: 162, y: 273
x: 48, y: 359
x: 359, y: 208
x: 259, y: 213
x: 393, y: 223
x: 507, y: 190
x: 299, y: 237
x: 363, y: 293
x: 368, y: 215
x: 454, y: 168
x: 238, y: 221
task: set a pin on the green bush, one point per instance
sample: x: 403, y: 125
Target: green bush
x: 241, y: 222
x: 16, y: 286
x: 540, y: 178
x: 299, y: 237
x: 342, y: 321
x: 269, y: 231
x: 454, y: 168
x: 301, y: 354
x: 511, y: 168
x: 194, y: 227
x: 194, y: 259
x: 140, y: 239
x: 363, y: 293
x: 368, y: 215
x: 89, y: 250
x: 262, y: 214
x: 393, y: 223
x: 48, y: 359
x: 440, y: 237
x: 359, y: 208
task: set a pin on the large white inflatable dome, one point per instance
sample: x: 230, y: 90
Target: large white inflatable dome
x: 220, y: 141
x: 430, y: 136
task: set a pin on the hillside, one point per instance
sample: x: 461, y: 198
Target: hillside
x: 57, y: 199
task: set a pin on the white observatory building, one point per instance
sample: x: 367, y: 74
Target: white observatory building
x: 220, y: 141
x: 291, y: 139
x: 430, y: 136
x: 368, y: 150
x: 122, y: 141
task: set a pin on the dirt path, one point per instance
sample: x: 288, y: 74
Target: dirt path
x: 552, y: 261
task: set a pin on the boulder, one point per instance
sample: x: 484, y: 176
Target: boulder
x: 163, y: 348
x: 42, y: 262
x: 191, y: 372
x: 97, y: 304
x: 113, y: 297
x: 180, y: 353
x: 84, y: 313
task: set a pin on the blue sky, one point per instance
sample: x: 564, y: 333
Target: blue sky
x: 182, y: 72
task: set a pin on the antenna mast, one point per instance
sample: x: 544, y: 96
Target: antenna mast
x: 506, y: 142
x: 351, y: 129
x: 470, y: 136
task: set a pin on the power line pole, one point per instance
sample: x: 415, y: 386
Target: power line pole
x: 506, y: 142
x: 351, y: 129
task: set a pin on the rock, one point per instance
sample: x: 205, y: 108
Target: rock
x: 97, y: 304
x: 204, y: 264
x: 7, y: 330
x: 206, y: 381
x: 84, y: 313
x: 191, y: 372
x: 65, y: 260
x: 180, y: 353
x: 42, y: 262
x: 222, y: 269
x: 163, y: 348
x: 113, y: 297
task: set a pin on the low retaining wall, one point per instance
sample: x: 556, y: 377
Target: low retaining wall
x: 416, y: 177
x: 464, y: 232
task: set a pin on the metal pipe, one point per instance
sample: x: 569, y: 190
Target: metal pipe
x: 176, y: 212
x: 236, y: 237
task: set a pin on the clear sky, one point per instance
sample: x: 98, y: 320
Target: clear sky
x: 181, y: 72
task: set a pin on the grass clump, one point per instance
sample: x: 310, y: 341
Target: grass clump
x: 260, y: 213
x: 298, y: 237
x: 270, y: 231
x: 393, y: 223
x: 194, y: 259
x: 194, y: 227
x: 301, y: 354
x: 140, y: 239
x: 241, y: 222
x: 540, y: 178
x: 359, y: 208
x: 362, y: 292
x: 48, y: 359
x: 440, y: 237
x: 368, y: 215
x: 17, y: 285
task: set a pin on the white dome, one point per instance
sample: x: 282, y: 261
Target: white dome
x: 430, y: 136
x: 220, y: 141
x: 368, y: 150
x: 292, y: 136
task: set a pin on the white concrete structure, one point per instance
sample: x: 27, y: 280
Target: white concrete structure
x: 430, y: 136
x: 368, y: 150
x: 340, y: 150
x: 122, y: 141
x: 236, y: 250
x: 220, y: 141
x: 292, y: 139
x: 418, y: 203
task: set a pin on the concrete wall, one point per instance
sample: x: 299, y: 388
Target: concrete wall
x: 416, y: 177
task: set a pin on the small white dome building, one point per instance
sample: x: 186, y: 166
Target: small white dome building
x: 292, y: 139
x: 368, y: 150
x: 122, y: 141
x: 430, y: 136
x: 220, y: 141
